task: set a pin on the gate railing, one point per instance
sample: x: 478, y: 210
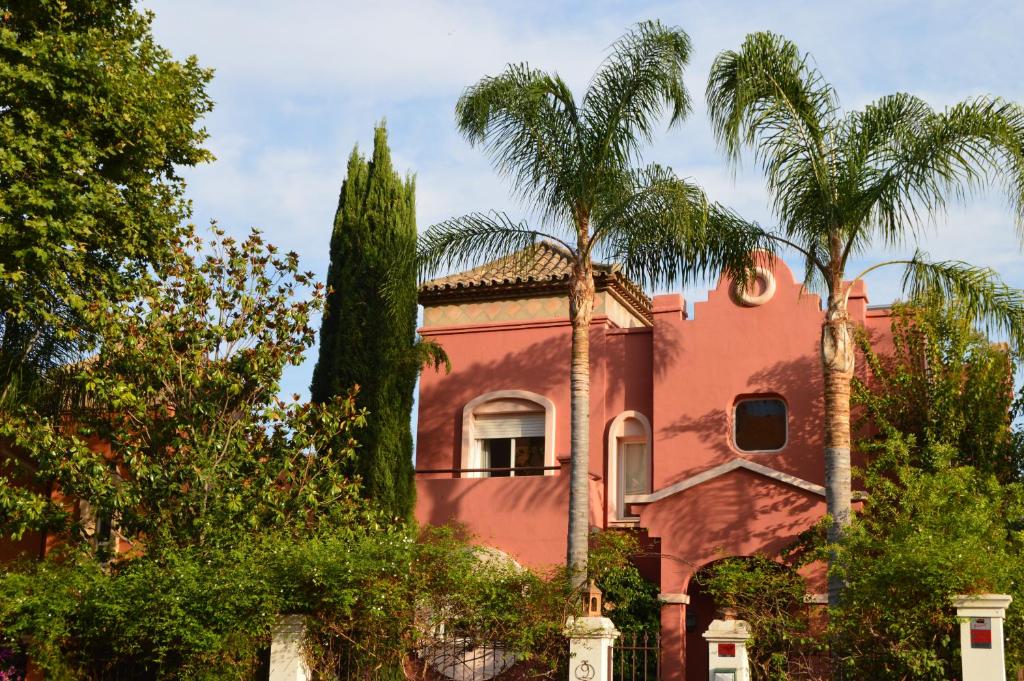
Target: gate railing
x: 441, y: 657
x: 636, y: 657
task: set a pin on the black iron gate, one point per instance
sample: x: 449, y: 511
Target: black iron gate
x: 636, y: 657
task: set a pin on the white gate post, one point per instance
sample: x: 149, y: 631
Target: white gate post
x: 590, y: 648
x: 981, y: 635
x: 287, y: 662
x: 727, y: 650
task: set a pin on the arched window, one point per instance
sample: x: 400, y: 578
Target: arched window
x: 510, y: 432
x: 629, y: 461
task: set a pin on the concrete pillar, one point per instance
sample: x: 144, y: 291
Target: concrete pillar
x: 287, y: 662
x: 590, y: 648
x: 981, y: 635
x: 727, y: 650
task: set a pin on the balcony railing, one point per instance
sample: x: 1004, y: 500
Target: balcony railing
x: 517, y: 469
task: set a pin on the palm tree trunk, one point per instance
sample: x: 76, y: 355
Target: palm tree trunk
x: 581, y: 309
x: 837, y: 361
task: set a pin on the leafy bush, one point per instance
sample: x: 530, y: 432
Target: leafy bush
x: 630, y: 600
x: 769, y: 596
x: 947, y: 385
x: 923, y: 538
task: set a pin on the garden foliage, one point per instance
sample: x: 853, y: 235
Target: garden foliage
x: 368, y: 335
x: 96, y: 120
x: 924, y: 537
x: 769, y: 596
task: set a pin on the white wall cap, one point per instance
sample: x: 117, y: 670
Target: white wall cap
x: 982, y: 605
x: 590, y: 627
x: 727, y: 630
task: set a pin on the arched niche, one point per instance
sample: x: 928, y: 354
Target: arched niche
x: 629, y: 445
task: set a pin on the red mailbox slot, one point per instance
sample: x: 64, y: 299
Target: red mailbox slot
x: 981, y: 632
x: 727, y: 650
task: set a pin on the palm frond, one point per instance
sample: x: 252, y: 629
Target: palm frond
x: 872, y: 145
x: 642, y: 74
x: 473, y: 239
x: 977, y: 292
x: 926, y: 158
x: 768, y: 97
x: 528, y: 124
x: 668, y: 233
x: 428, y: 353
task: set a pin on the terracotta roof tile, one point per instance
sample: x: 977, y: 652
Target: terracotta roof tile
x: 549, y: 262
x: 542, y: 265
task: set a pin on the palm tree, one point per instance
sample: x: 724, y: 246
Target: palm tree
x: 576, y: 165
x: 841, y: 183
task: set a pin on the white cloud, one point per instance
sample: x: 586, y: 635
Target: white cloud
x: 298, y: 83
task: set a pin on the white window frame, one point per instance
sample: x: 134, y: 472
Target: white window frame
x: 471, y: 455
x: 759, y: 398
x: 616, y: 438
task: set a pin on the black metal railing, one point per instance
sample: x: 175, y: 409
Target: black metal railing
x: 256, y: 669
x: 636, y: 656
x: 466, y: 658
x: 522, y: 470
x: 451, y: 657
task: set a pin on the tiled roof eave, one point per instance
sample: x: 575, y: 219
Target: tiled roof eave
x: 461, y: 291
x: 638, y: 303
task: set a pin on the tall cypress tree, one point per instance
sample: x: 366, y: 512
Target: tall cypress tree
x: 366, y: 338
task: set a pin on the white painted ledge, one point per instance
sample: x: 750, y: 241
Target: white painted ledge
x: 721, y: 470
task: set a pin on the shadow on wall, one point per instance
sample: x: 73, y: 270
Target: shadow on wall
x: 537, y: 368
x: 525, y: 516
x: 799, y: 384
x: 633, y: 365
x: 740, y: 513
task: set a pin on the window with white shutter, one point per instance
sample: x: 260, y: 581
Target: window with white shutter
x: 511, y: 444
x: 508, y: 433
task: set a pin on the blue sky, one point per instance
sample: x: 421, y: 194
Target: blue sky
x: 299, y: 83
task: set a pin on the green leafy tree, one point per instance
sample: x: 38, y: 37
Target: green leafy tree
x: 631, y: 600
x: 924, y: 537
x: 948, y: 386
x: 843, y: 183
x: 95, y: 120
x: 368, y: 335
x: 174, y: 429
x: 576, y: 165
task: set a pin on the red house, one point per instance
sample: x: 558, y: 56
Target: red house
x: 706, y: 432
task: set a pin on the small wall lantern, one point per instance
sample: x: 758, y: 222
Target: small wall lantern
x: 592, y: 602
